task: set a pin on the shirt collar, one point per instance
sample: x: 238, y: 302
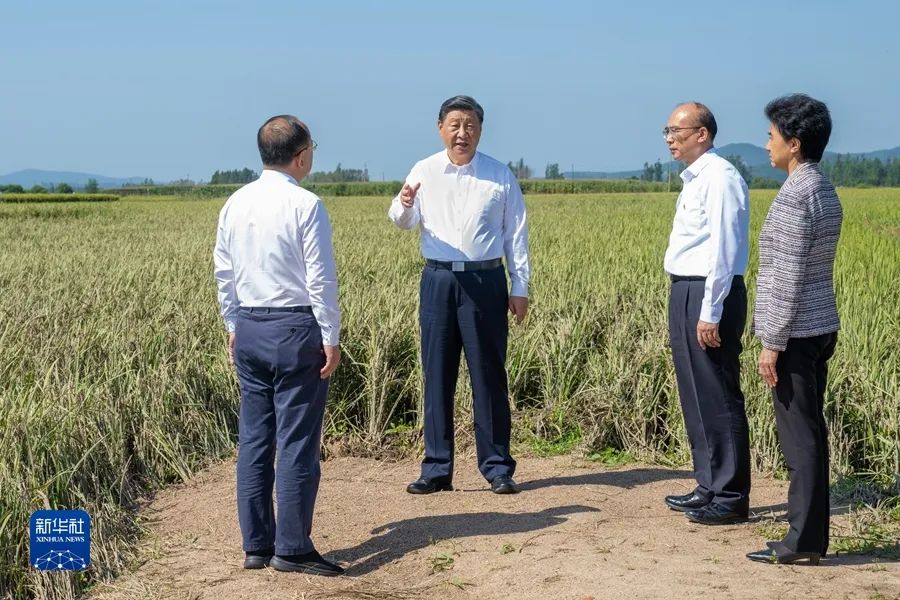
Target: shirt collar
x: 692, y: 171
x: 273, y: 175
x: 468, y: 168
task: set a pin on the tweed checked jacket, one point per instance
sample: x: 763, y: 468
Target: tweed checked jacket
x: 797, y: 244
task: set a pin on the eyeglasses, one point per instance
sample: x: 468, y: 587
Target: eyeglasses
x: 313, y: 144
x: 673, y: 131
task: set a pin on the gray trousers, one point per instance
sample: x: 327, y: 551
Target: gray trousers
x: 278, y: 356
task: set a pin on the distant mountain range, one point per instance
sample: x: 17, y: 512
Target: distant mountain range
x: 31, y: 177
x: 755, y: 157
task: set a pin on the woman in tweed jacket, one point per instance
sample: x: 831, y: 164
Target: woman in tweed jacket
x: 796, y: 317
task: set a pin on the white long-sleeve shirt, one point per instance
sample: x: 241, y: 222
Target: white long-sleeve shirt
x: 710, y: 235
x: 469, y: 212
x: 273, y: 249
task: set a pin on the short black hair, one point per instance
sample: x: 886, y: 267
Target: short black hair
x: 807, y: 119
x: 705, y: 118
x: 460, y: 103
x: 280, y: 139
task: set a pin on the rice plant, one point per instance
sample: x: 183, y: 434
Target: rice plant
x: 114, y: 379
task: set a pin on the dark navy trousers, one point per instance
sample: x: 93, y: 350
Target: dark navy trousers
x: 709, y: 388
x: 278, y: 356
x: 465, y: 311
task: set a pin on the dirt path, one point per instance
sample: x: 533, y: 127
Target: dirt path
x: 579, y: 530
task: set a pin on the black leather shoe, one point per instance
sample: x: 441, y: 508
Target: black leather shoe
x: 425, y: 485
x: 769, y: 555
x: 686, y: 502
x: 258, y: 559
x: 310, y: 563
x: 504, y: 484
x: 715, y: 514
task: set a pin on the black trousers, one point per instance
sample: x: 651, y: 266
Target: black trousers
x: 710, y: 393
x: 799, y: 398
x: 465, y: 311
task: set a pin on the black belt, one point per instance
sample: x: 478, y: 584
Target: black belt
x: 277, y: 309
x: 465, y: 265
x: 677, y: 278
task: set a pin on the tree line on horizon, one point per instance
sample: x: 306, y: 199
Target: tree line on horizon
x: 656, y: 172
x: 844, y: 170
x: 91, y: 187
x: 339, y: 175
x: 853, y: 171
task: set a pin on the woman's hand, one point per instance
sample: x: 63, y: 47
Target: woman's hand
x: 767, y: 360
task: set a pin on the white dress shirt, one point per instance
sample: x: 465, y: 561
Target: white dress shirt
x: 273, y: 249
x: 469, y: 212
x: 710, y: 235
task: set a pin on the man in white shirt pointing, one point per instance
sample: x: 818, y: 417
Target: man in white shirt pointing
x: 471, y: 214
x: 278, y: 292
x: 706, y: 259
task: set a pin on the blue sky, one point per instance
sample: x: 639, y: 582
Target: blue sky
x: 178, y: 89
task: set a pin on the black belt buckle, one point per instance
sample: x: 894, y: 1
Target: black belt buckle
x: 677, y: 278
x: 277, y: 309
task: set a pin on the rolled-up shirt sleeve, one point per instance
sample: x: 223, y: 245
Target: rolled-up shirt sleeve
x: 224, y: 274
x: 727, y: 214
x: 321, y: 271
x: 515, y: 240
x: 402, y: 217
x: 790, y: 249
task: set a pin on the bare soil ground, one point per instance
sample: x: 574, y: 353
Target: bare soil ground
x: 578, y: 530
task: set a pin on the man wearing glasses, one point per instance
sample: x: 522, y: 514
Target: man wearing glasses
x: 705, y: 260
x: 470, y: 213
x: 278, y: 293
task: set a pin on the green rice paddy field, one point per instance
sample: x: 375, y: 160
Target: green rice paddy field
x: 114, y: 378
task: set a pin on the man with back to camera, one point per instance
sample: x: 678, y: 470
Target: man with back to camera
x: 706, y: 260
x: 278, y: 293
x: 471, y: 214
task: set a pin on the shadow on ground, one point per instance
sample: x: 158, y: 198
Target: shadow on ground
x: 624, y: 479
x: 395, y: 540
